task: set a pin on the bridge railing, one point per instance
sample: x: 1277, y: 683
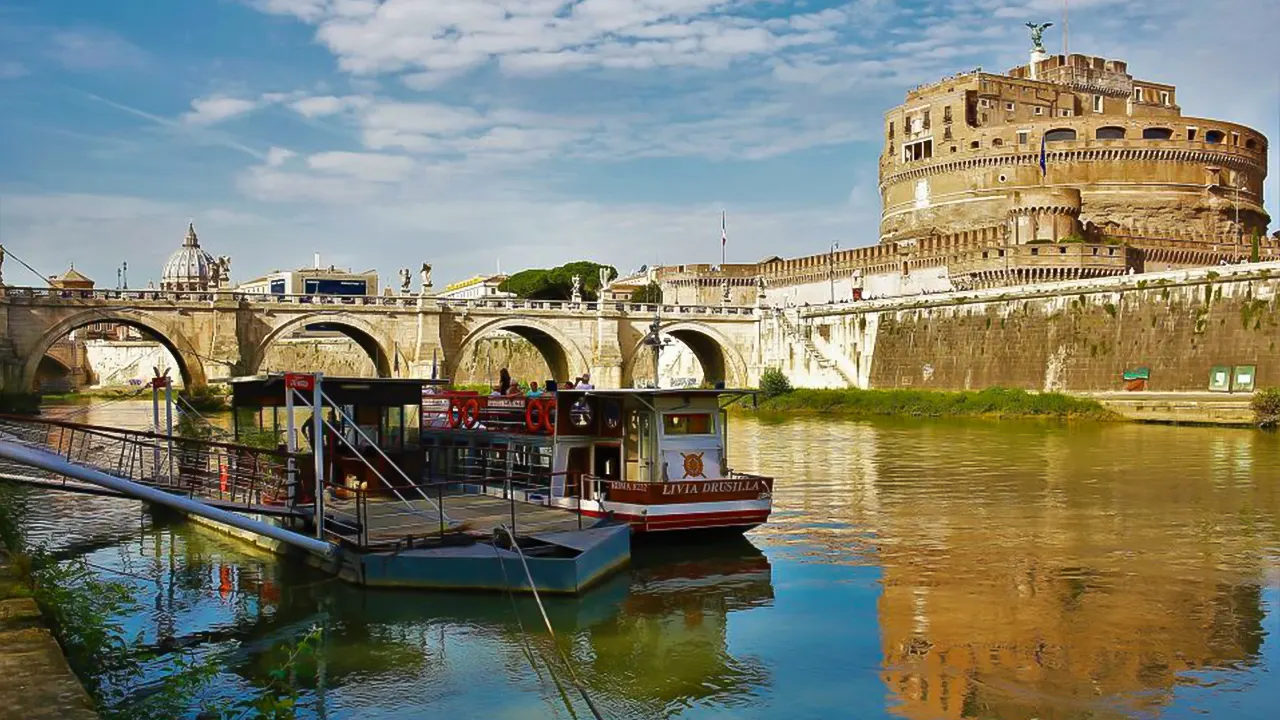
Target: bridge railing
x: 402, y: 300
x: 233, y: 475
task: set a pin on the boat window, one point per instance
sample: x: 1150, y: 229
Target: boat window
x: 686, y: 424
x: 580, y: 413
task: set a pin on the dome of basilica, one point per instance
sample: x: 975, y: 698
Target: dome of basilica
x: 190, y: 267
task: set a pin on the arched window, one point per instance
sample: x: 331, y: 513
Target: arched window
x: 1156, y: 134
x: 1215, y: 137
x: 1110, y: 133
x: 997, y: 142
x: 1251, y: 143
x: 1060, y: 134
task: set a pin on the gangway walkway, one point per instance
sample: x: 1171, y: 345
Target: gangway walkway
x: 221, y: 475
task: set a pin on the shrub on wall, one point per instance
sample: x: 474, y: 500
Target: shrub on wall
x: 773, y: 383
x: 1266, y: 406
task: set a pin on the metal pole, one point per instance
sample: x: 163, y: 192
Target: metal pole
x: 168, y: 421
x: 155, y: 427
x: 291, y: 442
x: 317, y: 442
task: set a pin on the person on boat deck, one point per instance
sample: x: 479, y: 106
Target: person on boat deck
x: 504, y: 382
x: 568, y: 385
x: 584, y: 382
x: 534, y: 390
x: 514, y: 389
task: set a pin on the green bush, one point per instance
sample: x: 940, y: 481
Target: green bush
x: 651, y: 294
x: 992, y: 402
x: 1266, y: 406
x: 773, y: 383
x: 557, y: 283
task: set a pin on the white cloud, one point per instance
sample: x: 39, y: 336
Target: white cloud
x: 373, y: 167
x: 212, y: 110
x: 88, y: 49
x: 278, y: 156
x: 323, y: 105
x: 10, y: 69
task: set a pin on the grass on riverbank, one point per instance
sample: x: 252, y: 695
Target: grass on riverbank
x: 993, y: 402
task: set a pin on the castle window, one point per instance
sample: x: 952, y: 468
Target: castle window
x: 1039, y: 110
x: 1157, y: 134
x: 919, y: 150
x: 997, y: 142
x: 1164, y: 97
x: 1214, y: 137
x: 1097, y: 103
x: 890, y: 129
x: 1191, y: 134
x: 1110, y: 132
x: 985, y: 254
x: 1035, y: 251
x: 946, y: 133
x: 1060, y: 135
x: 1137, y: 95
x: 926, y: 124
x: 1251, y: 143
x: 1064, y: 113
x: 1235, y: 138
x: 1009, y: 107
x: 975, y: 145
x: 1023, y: 137
x: 1095, y: 251
x: 946, y: 114
x: 1062, y: 250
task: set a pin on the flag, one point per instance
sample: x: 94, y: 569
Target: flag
x: 724, y: 229
x: 1044, y: 167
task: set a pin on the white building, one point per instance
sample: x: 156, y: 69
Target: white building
x: 314, y: 280
x: 480, y: 286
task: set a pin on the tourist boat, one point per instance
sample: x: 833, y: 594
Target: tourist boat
x: 652, y: 458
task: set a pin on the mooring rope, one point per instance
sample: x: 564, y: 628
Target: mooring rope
x: 551, y: 631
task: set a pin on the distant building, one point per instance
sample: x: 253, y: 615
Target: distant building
x: 191, y: 269
x: 314, y: 280
x: 72, y: 279
x: 480, y: 286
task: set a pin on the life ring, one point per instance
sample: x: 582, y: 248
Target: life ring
x: 549, y: 415
x: 471, y: 413
x: 455, y: 414
x: 534, y: 412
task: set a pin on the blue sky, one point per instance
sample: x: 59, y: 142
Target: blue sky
x: 465, y: 133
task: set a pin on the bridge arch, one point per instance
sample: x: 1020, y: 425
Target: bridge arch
x: 178, y: 344
x: 363, y: 333
x: 562, y: 355
x: 719, y: 358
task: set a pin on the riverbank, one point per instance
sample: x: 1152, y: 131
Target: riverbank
x: 36, y: 682
x: 992, y: 403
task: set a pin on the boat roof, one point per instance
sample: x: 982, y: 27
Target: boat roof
x: 268, y: 390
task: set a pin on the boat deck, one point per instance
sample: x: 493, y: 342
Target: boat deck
x: 391, y: 520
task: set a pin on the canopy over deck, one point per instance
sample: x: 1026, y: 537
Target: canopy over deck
x: 266, y: 391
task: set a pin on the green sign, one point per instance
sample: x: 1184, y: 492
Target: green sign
x: 1220, y: 378
x: 1142, y: 373
x: 1242, y: 379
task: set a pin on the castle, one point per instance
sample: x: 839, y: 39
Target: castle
x: 1065, y: 168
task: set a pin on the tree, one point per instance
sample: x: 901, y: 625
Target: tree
x: 557, y: 283
x: 650, y: 294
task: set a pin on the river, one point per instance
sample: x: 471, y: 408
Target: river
x: 912, y: 569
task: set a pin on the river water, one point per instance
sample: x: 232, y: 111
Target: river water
x: 912, y: 569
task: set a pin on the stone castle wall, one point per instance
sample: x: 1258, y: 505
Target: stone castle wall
x: 1075, y: 336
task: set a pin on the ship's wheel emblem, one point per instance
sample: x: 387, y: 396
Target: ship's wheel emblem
x: 693, y: 464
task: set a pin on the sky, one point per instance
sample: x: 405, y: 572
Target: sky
x: 485, y: 134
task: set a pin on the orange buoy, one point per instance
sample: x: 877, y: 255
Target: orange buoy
x: 534, y: 412
x: 471, y: 413
x: 549, y: 415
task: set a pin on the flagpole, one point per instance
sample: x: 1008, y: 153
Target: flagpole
x: 1065, y: 49
x: 724, y: 236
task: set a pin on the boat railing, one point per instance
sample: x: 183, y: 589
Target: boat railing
x: 463, y: 509
x: 235, y: 475
x: 469, y: 410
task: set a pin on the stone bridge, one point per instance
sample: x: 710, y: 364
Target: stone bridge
x: 216, y: 335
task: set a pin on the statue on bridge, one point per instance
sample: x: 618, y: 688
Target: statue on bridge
x: 577, y: 289
x: 223, y: 272
x: 425, y: 272
x: 404, y: 281
x: 1, y: 265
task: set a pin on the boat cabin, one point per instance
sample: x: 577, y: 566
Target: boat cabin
x: 360, y: 414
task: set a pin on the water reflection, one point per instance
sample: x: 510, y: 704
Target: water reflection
x: 913, y: 569
x: 1041, y: 571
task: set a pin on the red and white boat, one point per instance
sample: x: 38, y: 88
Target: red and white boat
x: 652, y: 458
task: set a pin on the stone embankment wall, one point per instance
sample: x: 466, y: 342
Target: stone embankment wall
x: 1069, y: 336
